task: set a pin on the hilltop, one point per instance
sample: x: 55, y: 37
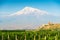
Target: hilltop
x: 50, y: 26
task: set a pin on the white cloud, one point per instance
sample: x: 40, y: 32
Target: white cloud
x: 29, y: 10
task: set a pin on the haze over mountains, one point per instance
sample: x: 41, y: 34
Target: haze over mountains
x: 27, y: 18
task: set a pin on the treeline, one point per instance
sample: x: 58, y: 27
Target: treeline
x: 12, y: 30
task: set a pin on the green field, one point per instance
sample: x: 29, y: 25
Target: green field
x: 29, y: 35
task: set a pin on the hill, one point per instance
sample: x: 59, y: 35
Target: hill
x: 49, y: 26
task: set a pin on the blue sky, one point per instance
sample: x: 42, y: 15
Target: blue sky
x: 12, y: 6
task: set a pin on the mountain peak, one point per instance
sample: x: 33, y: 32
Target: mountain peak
x: 30, y: 10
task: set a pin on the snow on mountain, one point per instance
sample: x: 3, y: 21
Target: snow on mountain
x: 29, y: 10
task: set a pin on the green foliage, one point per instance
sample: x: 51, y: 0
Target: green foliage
x: 39, y: 35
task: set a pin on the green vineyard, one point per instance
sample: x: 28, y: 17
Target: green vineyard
x: 29, y: 35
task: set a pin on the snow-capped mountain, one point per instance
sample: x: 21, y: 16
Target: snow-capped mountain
x: 26, y: 19
x: 29, y: 10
